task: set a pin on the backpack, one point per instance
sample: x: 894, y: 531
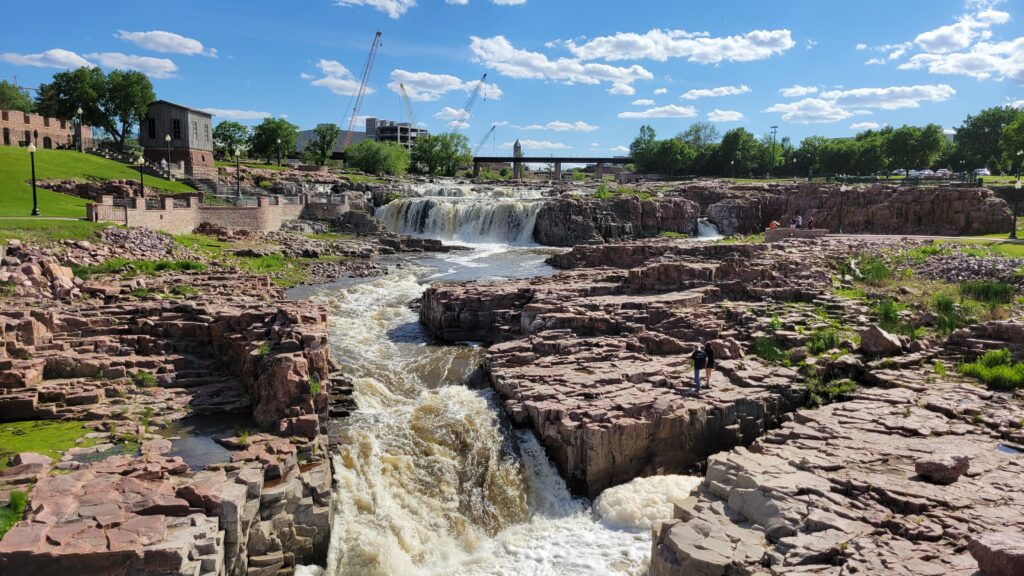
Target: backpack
x: 699, y: 355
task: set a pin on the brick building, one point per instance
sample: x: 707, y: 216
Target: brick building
x: 190, y: 149
x: 19, y: 128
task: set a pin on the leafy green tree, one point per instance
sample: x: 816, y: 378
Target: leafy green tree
x: 913, y: 147
x: 14, y: 98
x: 263, y: 142
x: 229, y: 136
x: 808, y: 155
x: 1012, y: 142
x: 441, y: 154
x: 114, y: 102
x: 701, y: 136
x: 739, y: 153
x: 978, y: 139
x: 379, y: 157
x: 322, y: 145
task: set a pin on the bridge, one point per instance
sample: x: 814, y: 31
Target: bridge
x: 517, y: 163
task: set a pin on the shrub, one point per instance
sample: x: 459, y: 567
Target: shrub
x: 949, y: 318
x: 264, y: 349
x: 996, y: 369
x: 875, y: 270
x: 775, y: 324
x: 987, y: 291
x: 920, y: 255
x: 602, y: 192
x: 940, y: 367
x: 314, y: 384
x: 821, y: 393
x: 767, y: 349
x: 143, y: 379
x: 13, y: 512
x: 677, y: 235
x: 184, y: 290
x: 822, y: 339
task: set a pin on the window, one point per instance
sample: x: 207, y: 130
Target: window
x: 63, y: 125
x: 26, y: 117
x: 46, y: 121
x: 7, y: 135
x: 207, y: 128
x: 151, y: 127
x: 47, y: 143
x: 6, y: 116
x: 195, y: 131
x: 176, y: 129
x: 28, y: 137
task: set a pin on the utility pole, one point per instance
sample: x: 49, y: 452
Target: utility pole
x: 771, y: 166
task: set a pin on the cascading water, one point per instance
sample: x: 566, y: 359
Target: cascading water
x: 428, y: 479
x: 479, y: 219
x: 707, y: 229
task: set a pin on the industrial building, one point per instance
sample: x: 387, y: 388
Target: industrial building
x: 403, y: 133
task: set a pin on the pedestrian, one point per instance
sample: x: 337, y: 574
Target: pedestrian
x: 799, y: 222
x: 700, y: 359
x: 709, y: 367
x: 810, y: 223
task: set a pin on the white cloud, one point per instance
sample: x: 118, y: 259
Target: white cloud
x: 152, y: 67
x: 459, y: 125
x: 699, y: 47
x: 810, y: 111
x: 670, y: 111
x: 500, y: 123
x: 499, y: 54
x: 619, y: 149
x: 305, y: 76
x: 427, y: 87
x: 643, y: 102
x: 797, y: 90
x: 715, y: 92
x: 875, y: 61
x: 52, y: 58
x: 509, y: 2
x: 982, y: 61
x: 538, y: 145
x: 661, y: 91
x: 238, y: 114
x: 448, y: 113
x: 620, y: 89
x: 891, y: 98
x: 717, y: 115
x: 167, y: 42
x: 960, y: 35
x: 337, y: 79
x: 865, y: 126
x: 393, y: 8
x: 559, y: 126
x: 1018, y: 104
x: 862, y: 46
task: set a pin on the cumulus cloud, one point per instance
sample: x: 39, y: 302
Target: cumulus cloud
x: 865, y: 126
x: 232, y: 114
x: 661, y: 91
x: 643, y: 102
x: 448, y: 113
x: 619, y: 149
x: 499, y: 54
x: 620, y: 89
x: 168, y: 42
x: 1018, y: 104
x: 701, y: 47
x: 393, y: 8
x: 427, y: 87
x: 836, y: 105
x: 717, y: 115
x: 670, y: 111
x: 52, y: 58
x: 797, y: 90
x: 961, y: 34
x: 152, y: 67
x: 982, y: 61
x: 337, y: 79
x: 715, y: 92
x: 559, y: 126
x: 538, y: 145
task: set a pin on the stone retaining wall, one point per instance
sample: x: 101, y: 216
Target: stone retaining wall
x: 185, y: 214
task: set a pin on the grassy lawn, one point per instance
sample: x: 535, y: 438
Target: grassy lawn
x: 35, y: 231
x: 46, y: 437
x: 16, y: 176
x: 996, y: 244
x: 256, y: 165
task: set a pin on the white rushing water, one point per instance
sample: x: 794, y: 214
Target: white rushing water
x: 429, y: 479
x: 706, y: 230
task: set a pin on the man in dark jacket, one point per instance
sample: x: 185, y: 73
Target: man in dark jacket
x: 700, y: 360
x: 709, y: 366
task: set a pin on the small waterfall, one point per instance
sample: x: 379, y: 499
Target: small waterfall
x: 706, y: 229
x: 478, y: 220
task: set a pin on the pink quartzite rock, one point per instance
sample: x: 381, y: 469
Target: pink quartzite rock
x: 999, y: 553
x: 942, y: 469
x: 878, y: 342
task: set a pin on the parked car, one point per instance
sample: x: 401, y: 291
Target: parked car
x: 926, y: 173
x: 899, y: 172
x: 943, y: 172
x: 982, y: 172
x: 913, y: 174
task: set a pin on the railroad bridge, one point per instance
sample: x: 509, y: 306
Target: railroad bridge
x: 517, y: 163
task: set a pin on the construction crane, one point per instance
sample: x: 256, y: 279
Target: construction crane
x: 476, y: 151
x: 408, y: 105
x: 363, y: 81
x: 464, y: 113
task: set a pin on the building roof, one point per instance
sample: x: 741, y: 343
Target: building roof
x: 196, y: 110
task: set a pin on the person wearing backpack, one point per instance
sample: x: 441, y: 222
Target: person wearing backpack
x: 700, y: 360
x: 709, y: 365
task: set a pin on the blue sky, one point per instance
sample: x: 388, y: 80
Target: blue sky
x: 564, y: 76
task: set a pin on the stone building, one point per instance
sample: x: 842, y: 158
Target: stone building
x: 379, y: 130
x: 190, y: 149
x: 21, y: 128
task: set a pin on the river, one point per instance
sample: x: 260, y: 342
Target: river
x: 430, y: 478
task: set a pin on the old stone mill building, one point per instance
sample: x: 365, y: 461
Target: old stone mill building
x: 181, y: 136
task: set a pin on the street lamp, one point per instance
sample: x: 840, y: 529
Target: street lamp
x: 167, y: 140
x: 35, y: 200
x: 238, y: 173
x: 142, y: 179
x: 278, y: 151
x: 771, y: 167
x: 78, y: 132
x: 1016, y: 196
x: 732, y: 168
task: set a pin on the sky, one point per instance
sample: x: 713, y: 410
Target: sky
x: 566, y: 77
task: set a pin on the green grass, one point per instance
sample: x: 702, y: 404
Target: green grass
x: 202, y: 244
x: 285, y: 272
x: 148, y: 267
x: 13, y: 512
x: 329, y: 236
x: 768, y: 349
x: 605, y: 193
x: 987, y: 291
x: 949, y: 318
x: 822, y: 340
x: 16, y: 177
x: 49, y: 437
x: 674, y: 235
x: 990, y: 246
x: 37, y: 232
x: 742, y: 239
x: 256, y: 165
x: 314, y: 385
x: 821, y: 393
x: 996, y: 369
x: 143, y: 379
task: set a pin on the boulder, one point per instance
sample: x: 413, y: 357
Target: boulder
x: 999, y: 553
x: 877, y: 342
x: 942, y: 469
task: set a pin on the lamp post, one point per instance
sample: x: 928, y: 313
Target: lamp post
x: 1016, y: 196
x: 278, y: 151
x: 35, y: 200
x: 167, y: 140
x: 732, y: 168
x: 771, y: 166
x: 238, y: 173
x: 142, y: 178
x: 78, y: 130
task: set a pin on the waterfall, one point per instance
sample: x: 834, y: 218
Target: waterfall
x: 478, y: 220
x: 706, y: 229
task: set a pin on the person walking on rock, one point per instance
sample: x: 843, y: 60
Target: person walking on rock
x: 709, y: 366
x: 700, y: 360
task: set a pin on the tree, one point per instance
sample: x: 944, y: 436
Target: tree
x: 322, y: 145
x: 229, y: 136
x: 114, y: 103
x: 1012, y: 143
x: 264, y: 139
x: 441, y: 154
x: 14, y: 98
x: 913, y: 147
x: 739, y: 153
x: 978, y: 140
x: 379, y: 157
